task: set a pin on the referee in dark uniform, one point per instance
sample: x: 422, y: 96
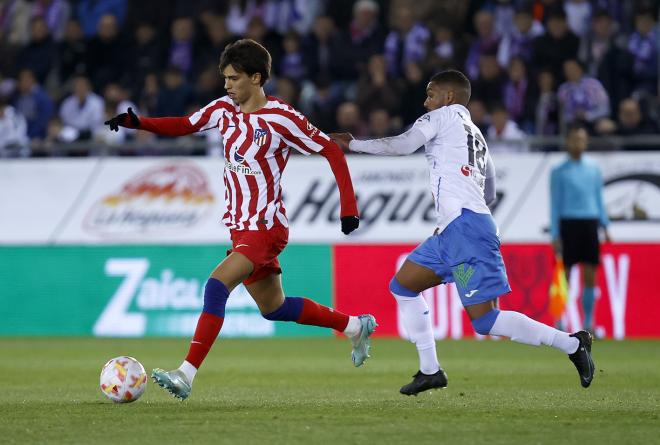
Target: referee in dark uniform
x: 577, y: 212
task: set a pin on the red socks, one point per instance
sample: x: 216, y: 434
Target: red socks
x: 208, y: 328
x: 317, y: 315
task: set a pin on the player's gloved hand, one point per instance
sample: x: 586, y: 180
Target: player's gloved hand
x: 128, y: 119
x: 349, y: 223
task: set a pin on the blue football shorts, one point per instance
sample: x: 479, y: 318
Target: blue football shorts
x: 467, y: 253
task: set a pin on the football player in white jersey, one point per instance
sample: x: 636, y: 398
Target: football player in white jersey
x: 465, y: 247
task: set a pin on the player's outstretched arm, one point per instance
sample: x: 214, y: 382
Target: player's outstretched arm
x: 403, y: 144
x: 300, y: 134
x: 350, y: 219
x: 165, y: 126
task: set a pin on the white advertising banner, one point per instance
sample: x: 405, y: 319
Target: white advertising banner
x: 181, y: 200
x: 37, y: 196
x: 631, y: 195
x: 151, y: 200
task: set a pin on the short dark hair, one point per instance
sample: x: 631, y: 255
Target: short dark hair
x: 456, y: 79
x: 247, y: 56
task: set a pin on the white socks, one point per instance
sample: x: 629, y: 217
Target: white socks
x: 417, y: 321
x: 188, y: 370
x: 522, y: 329
x: 353, y: 327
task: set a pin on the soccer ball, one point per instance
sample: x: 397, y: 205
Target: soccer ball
x: 123, y: 379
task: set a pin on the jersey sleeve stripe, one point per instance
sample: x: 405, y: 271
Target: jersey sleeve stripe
x: 297, y: 129
x: 201, y: 119
x: 296, y: 123
x: 214, y: 119
x: 291, y: 140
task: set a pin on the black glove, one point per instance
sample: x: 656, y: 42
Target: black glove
x: 349, y: 223
x: 120, y: 120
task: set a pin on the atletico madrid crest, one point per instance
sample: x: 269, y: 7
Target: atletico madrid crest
x: 260, y: 136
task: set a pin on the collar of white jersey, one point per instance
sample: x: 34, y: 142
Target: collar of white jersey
x: 459, y: 107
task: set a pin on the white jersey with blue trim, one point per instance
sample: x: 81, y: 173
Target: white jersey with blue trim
x: 457, y: 155
x: 461, y: 170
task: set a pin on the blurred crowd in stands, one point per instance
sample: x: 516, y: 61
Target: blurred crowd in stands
x: 359, y: 66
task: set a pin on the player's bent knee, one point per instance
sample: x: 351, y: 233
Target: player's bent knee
x: 215, y: 297
x: 484, y: 324
x: 398, y: 289
x: 289, y: 311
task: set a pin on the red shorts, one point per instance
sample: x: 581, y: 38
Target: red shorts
x: 261, y: 247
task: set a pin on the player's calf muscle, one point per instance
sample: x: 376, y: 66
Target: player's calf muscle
x: 267, y: 293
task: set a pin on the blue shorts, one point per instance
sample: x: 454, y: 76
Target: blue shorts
x: 467, y: 253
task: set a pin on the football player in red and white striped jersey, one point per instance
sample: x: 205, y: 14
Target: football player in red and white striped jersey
x: 258, y: 133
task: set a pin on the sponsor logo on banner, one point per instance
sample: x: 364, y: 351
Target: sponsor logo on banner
x: 633, y: 196
x: 384, y: 197
x: 158, y: 302
x: 165, y: 198
x: 143, y: 290
x: 394, y: 199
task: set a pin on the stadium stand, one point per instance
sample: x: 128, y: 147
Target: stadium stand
x: 362, y: 66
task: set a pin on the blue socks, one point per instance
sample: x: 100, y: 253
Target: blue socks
x: 484, y: 324
x: 215, y: 297
x: 588, y: 299
x: 397, y: 289
x: 289, y: 311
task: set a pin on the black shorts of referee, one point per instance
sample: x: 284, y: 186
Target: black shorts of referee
x: 579, y: 241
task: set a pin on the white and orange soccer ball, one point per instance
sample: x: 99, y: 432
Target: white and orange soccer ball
x: 123, y: 379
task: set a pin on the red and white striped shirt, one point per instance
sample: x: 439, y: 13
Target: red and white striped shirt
x: 256, y: 151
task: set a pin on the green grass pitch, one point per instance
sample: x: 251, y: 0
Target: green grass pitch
x: 307, y: 391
